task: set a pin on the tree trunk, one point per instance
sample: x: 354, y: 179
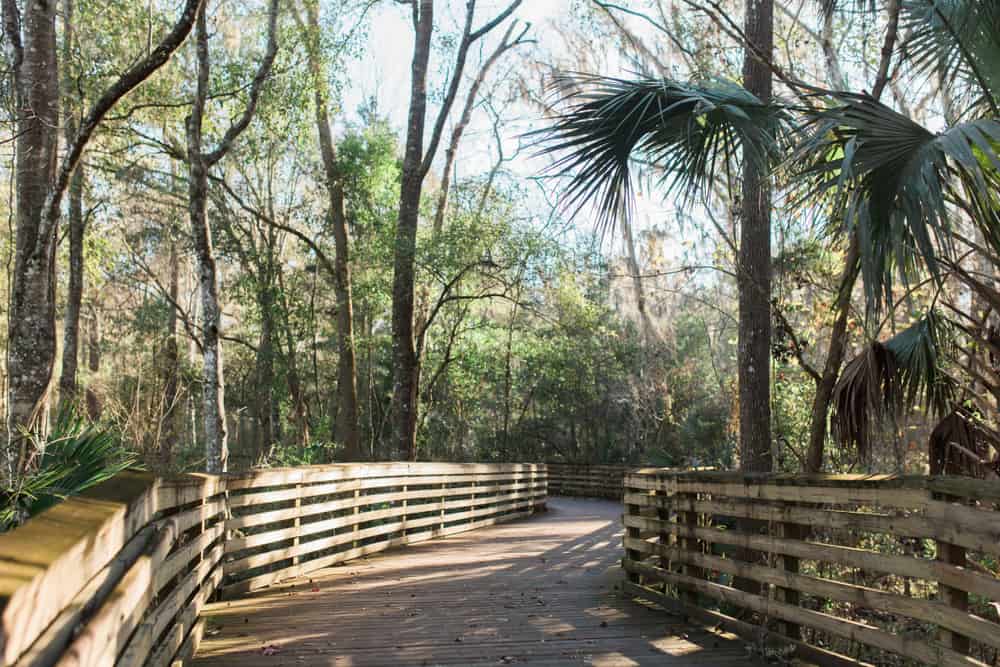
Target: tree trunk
x: 32, y: 330
x: 264, y: 371
x: 213, y: 381
x: 834, y: 359
x: 406, y: 367
x: 74, y: 296
x: 755, y: 263
x: 171, y: 369
x: 348, y: 429
x: 93, y: 362
x: 31, y: 46
x: 849, y: 276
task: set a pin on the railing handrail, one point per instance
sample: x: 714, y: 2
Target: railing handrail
x: 152, y: 551
x: 692, y: 537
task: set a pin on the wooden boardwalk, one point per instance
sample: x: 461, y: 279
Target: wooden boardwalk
x: 538, y: 591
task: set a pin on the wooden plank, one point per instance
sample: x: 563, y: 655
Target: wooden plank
x: 343, y: 471
x: 539, y: 592
x: 251, y: 497
x: 107, y: 632
x: 927, y: 611
x: 926, y: 652
x: 142, y: 642
x: 51, y: 644
x: 263, y: 580
x: 276, y: 555
x: 906, y: 566
x: 974, y: 529
x: 47, y: 561
x: 287, y: 514
x: 815, y: 655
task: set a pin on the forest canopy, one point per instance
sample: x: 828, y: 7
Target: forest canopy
x: 737, y: 233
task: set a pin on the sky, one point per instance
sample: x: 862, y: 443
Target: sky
x: 383, y: 71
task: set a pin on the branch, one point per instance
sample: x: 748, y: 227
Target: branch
x: 124, y: 85
x: 888, y: 46
x: 468, y: 37
x: 259, y: 79
x: 506, y: 44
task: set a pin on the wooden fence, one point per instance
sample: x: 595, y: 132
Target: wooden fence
x: 585, y: 479
x: 119, y: 575
x: 840, y: 569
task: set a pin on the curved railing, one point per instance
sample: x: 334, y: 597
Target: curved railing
x: 841, y: 569
x: 119, y: 575
x: 590, y: 480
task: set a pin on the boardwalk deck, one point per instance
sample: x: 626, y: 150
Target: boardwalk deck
x: 540, y: 591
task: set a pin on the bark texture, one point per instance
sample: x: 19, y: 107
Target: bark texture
x: 74, y: 295
x: 755, y: 262
x: 199, y: 164
x: 31, y: 44
x: 406, y: 378
x: 32, y: 331
x: 348, y: 429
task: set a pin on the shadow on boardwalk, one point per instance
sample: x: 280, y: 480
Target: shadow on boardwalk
x: 539, y: 591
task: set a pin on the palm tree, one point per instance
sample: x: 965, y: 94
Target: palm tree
x: 924, y: 206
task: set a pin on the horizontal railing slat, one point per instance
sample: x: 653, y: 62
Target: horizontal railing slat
x: 879, y: 553
x: 120, y: 574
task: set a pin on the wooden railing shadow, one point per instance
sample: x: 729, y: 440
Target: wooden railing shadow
x: 584, y: 565
x: 840, y: 569
x: 120, y: 575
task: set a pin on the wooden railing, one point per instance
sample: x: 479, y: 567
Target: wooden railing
x: 119, y: 575
x: 585, y: 479
x: 841, y: 569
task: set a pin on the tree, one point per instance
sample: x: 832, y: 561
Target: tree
x: 348, y: 428
x: 417, y: 162
x: 41, y: 182
x: 754, y: 261
x: 200, y: 162
x: 891, y: 182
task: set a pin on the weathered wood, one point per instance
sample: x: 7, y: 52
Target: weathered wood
x: 539, y: 592
x: 931, y: 654
x: 591, y: 480
x: 928, y: 611
x: 89, y: 596
x: 786, y: 509
x: 46, y: 562
x: 53, y: 642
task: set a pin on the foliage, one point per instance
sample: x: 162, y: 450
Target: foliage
x: 75, y: 456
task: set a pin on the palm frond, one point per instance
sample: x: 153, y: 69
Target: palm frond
x: 890, y: 378
x: 895, y: 181
x: 865, y: 395
x: 958, y: 40
x: 75, y: 456
x: 961, y: 445
x: 920, y: 352
x: 691, y: 132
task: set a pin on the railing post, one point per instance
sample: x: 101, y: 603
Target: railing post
x: 405, y: 487
x: 632, y: 533
x: 789, y: 531
x: 444, y: 485
x: 357, y: 509
x: 955, y: 598
x: 298, y: 520
x: 663, y: 512
x: 690, y: 544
